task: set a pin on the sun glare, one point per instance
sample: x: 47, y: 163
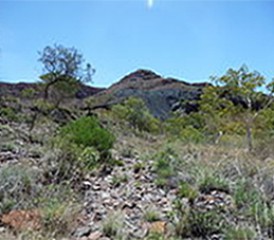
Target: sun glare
x: 150, y: 3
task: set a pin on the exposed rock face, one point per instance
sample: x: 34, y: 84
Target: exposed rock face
x: 161, y: 95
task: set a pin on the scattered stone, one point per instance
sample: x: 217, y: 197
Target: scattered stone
x: 95, y: 235
x: 82, y: 232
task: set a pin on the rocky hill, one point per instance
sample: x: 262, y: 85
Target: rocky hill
x: 161, y: 95
x: 101, y: 177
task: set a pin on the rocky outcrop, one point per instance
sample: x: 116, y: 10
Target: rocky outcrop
x: 161, y: 95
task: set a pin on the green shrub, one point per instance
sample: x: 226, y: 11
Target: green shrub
x: 245, y: 194
x: 165, y: 163
x: 87, y: 132
x: 89, y: 158
x: 189, y: 128
x: 59, y: 208
x: 201, y: 224
x: 113, y: 225
x: 58, y: 216
x: 239, y: 233
x: 187, y: 191
x: 212, y: 181
x: 192, y: 223
x: 9, y: 113
x: 192, y: 135
x: 134, y: 111
x: 28, y: 93
x: 151, y: 215
x: 81, y: 146
x: 18, y: 187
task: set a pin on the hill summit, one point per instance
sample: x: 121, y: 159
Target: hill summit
x: 161, y: 95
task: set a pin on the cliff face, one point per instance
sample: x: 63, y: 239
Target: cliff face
x: 161, y: 95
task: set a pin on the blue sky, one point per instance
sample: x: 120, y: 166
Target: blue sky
x: 190, y: 40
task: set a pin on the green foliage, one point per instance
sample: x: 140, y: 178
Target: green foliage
x: 201, y: 224
x: 58, y: 216
x: 28, y: 93
x: 18, y: 187
x: 234, y: 98
x: 165, y: 167
x: 151, y: 215
x: 193, y: 223
x: 87, y: 132
x: 211, y: 181
x: 188, y: 128
x: 262, y: 213
x: 216, y: 110
x: 113, y: 225
x: 63, y: 71
x: 134, y: 111
x: 9, y: 113
x: 187, y: 191
x: 239, y: 233
x: 192, y: 135
x: 157, y: 236
x: 80, y: 146
x: 245, y: 194
x: 58, y: 208
x: 89, y: 158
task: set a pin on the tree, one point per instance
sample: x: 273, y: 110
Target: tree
x: 135, y: 112
x: 63, y: 71
x: 237, y: 93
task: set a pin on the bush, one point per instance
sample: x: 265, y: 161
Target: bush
x: 18, y: 188
x: 151, y: 215
x: 201, y: 224
x: 58, y: 217
x: 212, y: 181
x: 192, y: 223
x: 113, y: 224
x: 165, y: 167
x: 134, y: 111
x: 187, y: 191
x: 9, y: 113
x: 87, y: 132
x: 245, y: 194
x: 81, y: 146
x: 192, y: 135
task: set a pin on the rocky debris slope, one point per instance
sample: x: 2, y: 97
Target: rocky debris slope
x: 129, y: 193
x: 129, y: 197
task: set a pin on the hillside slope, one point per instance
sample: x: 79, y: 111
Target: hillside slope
x: 161, y: 95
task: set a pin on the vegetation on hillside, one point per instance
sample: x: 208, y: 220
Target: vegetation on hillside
x: 200, y: 175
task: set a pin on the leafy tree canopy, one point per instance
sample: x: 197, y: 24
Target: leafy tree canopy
x: 63, y: 68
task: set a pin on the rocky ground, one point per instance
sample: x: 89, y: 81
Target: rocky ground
x: 125, y: 198
x: 206, y: 189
